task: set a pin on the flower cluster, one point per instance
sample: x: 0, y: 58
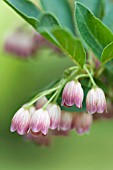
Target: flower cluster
x: 37, y: 124
x: 47, y: 118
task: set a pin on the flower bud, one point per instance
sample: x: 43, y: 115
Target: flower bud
x: 83, y: 122
x: 21, y: 121
x: 96, y: 101
x: 40, y: 122
x: 55, y: 115
x: 41, y: 102
x: 66, y: 121
x: 73, y: 94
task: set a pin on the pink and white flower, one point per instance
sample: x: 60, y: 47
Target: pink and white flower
x: 83, y: 122
x: 20, y: 44
x: 55, y: 115
x: 40, y: 122
x: 96, y: 101
x: 66, y: 121
x: 21, y: 121
x: 73, y: 94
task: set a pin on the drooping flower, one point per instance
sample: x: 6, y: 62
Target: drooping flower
x: 40, y: 122
x: 96, y: 101
x: 72, y: 94
x: 55, y: 115
x: 83, y: 122
x: 21, y: 121
x: 41, y: 102
x: 20, y: 43
x: 66, y: 121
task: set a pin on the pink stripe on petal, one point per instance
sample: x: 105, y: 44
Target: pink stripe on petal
x: 91, y: 101
x: 79, y: 95
x: 68, y: 95
x: 101, y: 104
x: 40, y: 121
x: 54, y: 112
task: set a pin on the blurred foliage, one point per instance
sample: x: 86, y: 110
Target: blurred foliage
x: 22, y: 79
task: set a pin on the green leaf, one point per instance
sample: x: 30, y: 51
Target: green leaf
x: 108, y: 18
x: 61, y: 10
x: 109, y: 66
x: 66, y: 41
x: 70, y: 45
x: 92, y: 30
x: 107, y: 53
x: 62, y: 37
x: 26, y: 9
x: 47, y: 21
x: 96, y: 6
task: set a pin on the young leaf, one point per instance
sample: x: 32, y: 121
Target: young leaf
x: 61, y: 9
x: 92, y: 30
x: 70, y: 45
x: 47, y: 21
x: 26, y: 9
x: 107, y: 53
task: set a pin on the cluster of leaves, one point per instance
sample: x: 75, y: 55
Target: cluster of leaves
x: 90, y: 25
x: 56, y: 23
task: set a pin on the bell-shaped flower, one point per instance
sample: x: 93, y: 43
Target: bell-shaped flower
x: 40, y: 122
x: 83, y: 122
x: 96, y: 101
x: 66, y: 121
x: 21, y: 121
x: 72, y: 94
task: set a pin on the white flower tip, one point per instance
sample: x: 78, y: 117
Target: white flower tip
x: 12, y: 129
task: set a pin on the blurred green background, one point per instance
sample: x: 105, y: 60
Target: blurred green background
x: 19, y: 81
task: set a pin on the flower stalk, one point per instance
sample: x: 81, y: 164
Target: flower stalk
x: 90, y: 76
